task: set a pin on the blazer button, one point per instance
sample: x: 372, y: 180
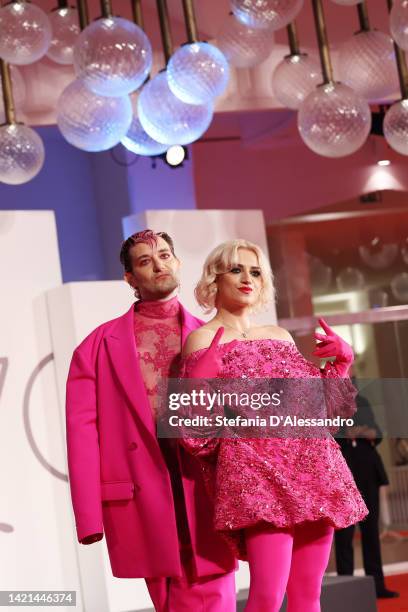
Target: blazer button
x: 132, y: 446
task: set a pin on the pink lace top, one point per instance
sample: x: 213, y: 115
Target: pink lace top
x: 157, y: 328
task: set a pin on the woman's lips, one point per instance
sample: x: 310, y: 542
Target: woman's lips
x: 245, y: 289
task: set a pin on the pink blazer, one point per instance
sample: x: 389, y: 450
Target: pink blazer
x: 119, y: 481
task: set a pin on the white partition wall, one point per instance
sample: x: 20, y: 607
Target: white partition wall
x: 195, y: 234
x: 37, y: 550
x: 75, y: 309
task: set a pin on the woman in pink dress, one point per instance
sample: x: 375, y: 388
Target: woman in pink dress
x: 276, y: 500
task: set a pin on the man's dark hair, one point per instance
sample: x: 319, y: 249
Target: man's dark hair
x: 149, y: 237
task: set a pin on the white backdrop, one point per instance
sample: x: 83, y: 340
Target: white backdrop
x: 37, y: 549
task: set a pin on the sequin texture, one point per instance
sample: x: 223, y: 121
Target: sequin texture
x: 281, y: 481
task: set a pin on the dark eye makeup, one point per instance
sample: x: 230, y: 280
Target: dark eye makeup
x: 237, y: 269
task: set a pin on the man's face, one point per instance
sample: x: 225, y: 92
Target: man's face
x: 154, y: 270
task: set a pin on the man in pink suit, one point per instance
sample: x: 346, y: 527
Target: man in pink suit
x: 146, y: 495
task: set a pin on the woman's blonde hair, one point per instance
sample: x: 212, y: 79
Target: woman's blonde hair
x: 219, y: 261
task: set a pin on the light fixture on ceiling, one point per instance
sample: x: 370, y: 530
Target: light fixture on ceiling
x: 384, y: 162
x: 333, y: 120
x: 175, y: 155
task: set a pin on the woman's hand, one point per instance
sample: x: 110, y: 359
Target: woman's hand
x: 331, y: 345
x: 209, y: 364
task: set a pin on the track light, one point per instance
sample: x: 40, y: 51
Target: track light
x: 175, y: 155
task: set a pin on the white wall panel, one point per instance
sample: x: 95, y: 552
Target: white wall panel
x: 37, y: 550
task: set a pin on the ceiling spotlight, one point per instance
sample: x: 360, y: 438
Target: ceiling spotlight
x: 175, y: 155
x: 383, y: 162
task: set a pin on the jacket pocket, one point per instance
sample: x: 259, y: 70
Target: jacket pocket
x: 117, y: 490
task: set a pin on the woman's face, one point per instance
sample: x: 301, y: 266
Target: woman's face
x: 241, y: 285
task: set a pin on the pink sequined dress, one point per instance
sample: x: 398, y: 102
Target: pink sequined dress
x: 280, y: 481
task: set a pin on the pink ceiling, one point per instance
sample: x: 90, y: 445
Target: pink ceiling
x: 45, y: 80
x: 341, y: 20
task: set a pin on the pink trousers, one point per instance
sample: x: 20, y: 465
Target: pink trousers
x: 208, y: 594
x: 189, y: 593
x: 292, y: 560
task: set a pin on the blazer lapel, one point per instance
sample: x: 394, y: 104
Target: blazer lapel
x: 122, y: 350
x: 121, y: 347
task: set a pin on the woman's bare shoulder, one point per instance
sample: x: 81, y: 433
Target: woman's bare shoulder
x: 198, y: 339
x: 274, y: 332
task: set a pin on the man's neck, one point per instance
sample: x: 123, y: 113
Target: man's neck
x: 170, y: 296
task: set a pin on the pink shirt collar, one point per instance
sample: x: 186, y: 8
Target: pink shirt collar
x: 158, y: 309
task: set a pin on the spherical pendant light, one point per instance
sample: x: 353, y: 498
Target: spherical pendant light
x: 294, y: 78
x: 197, y: 73
x: 350, y: 279
x: 399, y: 23
x: 91, y: 122
x: 399, y: 287
x: 395, y: 127
x: 25, y: 33
x: 377, y: 254
x: 367, y: 64
x: 21, y: 154
x: 266, y: 14
x: 243, y: 46
x: 65, y: 31
x: 137, y: 140
x: 113, y: 56
x: 166, y: 118
x: 334, y: 121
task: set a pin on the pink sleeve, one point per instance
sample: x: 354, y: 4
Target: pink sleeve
x: 205, y: 445
x: 187, y: 363
x: 83, y: 447
x: 340, y: 394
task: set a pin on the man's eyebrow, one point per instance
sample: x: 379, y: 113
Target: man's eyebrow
x: 164, y: 250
